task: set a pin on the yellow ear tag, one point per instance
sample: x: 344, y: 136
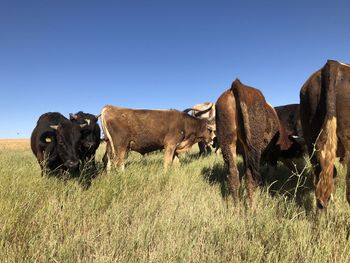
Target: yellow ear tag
x: 48, y: 139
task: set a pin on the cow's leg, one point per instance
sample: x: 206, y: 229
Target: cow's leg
x: 107, y: 157
x: 201, y: 146
x: 168, y: 155
x: 208, y: 149
x: 40, y: 158
x: 230, y: 157
x: 120, y: 158
x: 346, y: 160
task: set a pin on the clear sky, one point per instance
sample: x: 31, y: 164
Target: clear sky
x: 70, y: 55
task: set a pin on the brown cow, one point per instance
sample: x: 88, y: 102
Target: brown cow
x: 206, y: 111
x: 145, y: 131
x: 246, y: 120
x: 324, y: 110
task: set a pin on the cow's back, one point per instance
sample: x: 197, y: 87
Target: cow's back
x: 226, y: 118
x: 259, y: 120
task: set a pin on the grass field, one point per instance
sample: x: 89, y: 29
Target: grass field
x: 147, y: 215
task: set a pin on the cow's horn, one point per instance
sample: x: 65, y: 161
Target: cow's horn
x: 97, y: 116
x: 55, y: 127
x: 73, y: 116
x: 187, y: 110
x: 87, y: 121
x: 199, y: 113
x: 83, y: 125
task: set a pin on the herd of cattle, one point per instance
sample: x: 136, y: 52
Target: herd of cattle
x: 240, y: 122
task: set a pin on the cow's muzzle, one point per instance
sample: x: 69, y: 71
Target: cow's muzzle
x: 72, y: 165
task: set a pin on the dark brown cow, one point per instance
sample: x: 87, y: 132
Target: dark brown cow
x: 324, y: 110
x: 145, y: 131
x: 289, y: 116
x: 246, y: 120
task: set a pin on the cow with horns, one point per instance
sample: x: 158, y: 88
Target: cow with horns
x: 90, y: 136
x: 206, y: 111
x: 55, y: 142
x: 145, y: 131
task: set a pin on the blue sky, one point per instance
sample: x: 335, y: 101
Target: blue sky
x: 68, y: 56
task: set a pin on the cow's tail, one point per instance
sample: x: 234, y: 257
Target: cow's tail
x: 109, y: 140
x: 327, y: 141
x: 252, y: 155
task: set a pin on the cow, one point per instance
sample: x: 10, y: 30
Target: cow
x: 145, y: 131
x: 90, y: 136
x: 324, y: 111
x: 55, y: 143
x: 289, y: 117
x: 204, y: 110
x: 248, y: 125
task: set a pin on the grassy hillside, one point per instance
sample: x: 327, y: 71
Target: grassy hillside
x: 147, y: 215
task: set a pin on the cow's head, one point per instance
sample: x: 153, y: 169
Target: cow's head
x: 207, y: 132
x: 90, y: 133
x: 68, y: 136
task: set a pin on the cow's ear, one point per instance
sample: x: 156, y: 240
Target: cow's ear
x: 73, y: 116
x: 87, y: 121
x: 83, y: 125
x: 55, y: 127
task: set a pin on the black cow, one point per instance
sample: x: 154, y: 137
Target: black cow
x: 55, y: 142
x: 90, y: 136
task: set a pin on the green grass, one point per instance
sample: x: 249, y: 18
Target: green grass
x: 147, y: 215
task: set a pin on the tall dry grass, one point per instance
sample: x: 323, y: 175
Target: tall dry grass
x: 147, y: 215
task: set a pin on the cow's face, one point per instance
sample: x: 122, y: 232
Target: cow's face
x: 68, y: 136
x: 90, y: 134
x: 207, y: 132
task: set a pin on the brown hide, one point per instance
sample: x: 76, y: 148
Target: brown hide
x: 145, y: 131
x: 324, y: 109
x: 244, y: 118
